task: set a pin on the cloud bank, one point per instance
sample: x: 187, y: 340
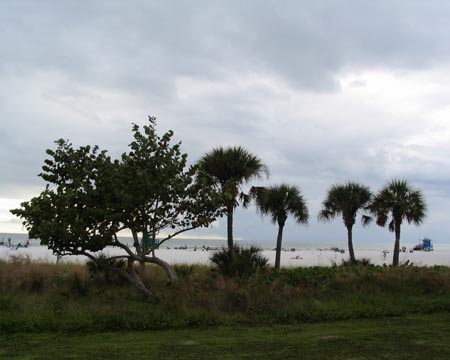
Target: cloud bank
x: 322, y: 91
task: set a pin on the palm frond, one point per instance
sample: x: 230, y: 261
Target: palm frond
x: 345, y: 200
x: 399, y: 200
x: 366, y: 220
x: 280, y: 201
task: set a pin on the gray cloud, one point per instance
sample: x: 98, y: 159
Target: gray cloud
x: 303, y: 84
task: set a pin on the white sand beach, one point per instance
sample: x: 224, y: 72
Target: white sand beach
x: 288, y: 258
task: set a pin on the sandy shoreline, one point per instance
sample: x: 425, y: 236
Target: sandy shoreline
x: 288, y: 258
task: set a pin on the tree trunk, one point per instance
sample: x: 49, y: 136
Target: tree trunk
x: 173, y: 278
x: 278, y: 248
x: 350, y: 244
x: 131, y: 276
x: 136, y: 280
x: 136, y: 244
x: 395, y: 260
x: 230, y: 211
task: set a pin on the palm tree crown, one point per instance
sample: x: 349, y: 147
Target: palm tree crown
x: 346, y: 200
x: 234, y: 164
x: 399, y: 201
x: 279, y: 201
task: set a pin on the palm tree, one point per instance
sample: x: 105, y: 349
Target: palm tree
x: 399, y: 201
x: 229, y: 169
x: 346, y: 200
x: 279, y: 201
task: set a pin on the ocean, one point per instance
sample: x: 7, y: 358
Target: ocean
x: 264, y: 244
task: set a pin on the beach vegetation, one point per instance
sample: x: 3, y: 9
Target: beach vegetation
x: 228, y: 170
x: 90, y: 197
x: 346, y: 200
x: 279, y: 202
x: 246, y: 262
x: 37, y: 297
x: 397, y: 202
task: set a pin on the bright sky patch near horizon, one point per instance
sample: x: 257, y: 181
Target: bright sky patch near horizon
x: 322, y: 91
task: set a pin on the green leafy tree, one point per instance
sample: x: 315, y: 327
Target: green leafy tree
x: 228, y: 169
x: 279, y: 202
x: 347, y: 200
x: 398, y: 201
x: 89, y: 198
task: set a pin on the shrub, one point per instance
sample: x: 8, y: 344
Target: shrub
x: 100, y: 269
x: 183, y: 270
x: 247, y: 261
x: 357, y: 262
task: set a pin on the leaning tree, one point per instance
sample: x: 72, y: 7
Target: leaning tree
x: 398, y: 201
x: 89, y: 198
x: 228, y: 169
x: 279, y: 202
x: 346, y: 200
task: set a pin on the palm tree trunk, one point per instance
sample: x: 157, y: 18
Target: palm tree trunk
x: 350, y: 244
x: 397, y: 244
x: 278, y: 248
x: 230, y: 230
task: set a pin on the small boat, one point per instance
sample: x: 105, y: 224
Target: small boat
x: 425, y: 245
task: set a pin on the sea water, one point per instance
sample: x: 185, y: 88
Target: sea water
x: 192, y: 243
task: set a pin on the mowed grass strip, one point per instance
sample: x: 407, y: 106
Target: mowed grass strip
x: 410, y: 337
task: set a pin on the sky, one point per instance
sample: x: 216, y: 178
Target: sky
x: 322, y: 91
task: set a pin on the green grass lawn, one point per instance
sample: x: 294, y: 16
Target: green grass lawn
x: 409, y: 337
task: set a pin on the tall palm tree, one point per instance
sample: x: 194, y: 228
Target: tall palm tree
x: 229, y: 169
x: 398, y: 201
x: 346, y: 200
x: 278, y: 202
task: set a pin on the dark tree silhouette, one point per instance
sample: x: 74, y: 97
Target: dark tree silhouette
x: 228, y: 169
x: 279, y: 202
x: 398, y: 201
x: 346, y: 200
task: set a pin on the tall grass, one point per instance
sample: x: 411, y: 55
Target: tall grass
x: 40, y: 297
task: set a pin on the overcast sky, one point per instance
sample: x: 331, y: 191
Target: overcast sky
x: 322, y: 91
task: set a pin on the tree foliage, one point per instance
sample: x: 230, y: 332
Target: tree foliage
x: 228, y: 169
x: 396, y: 202
x: 280, y: 201
x: 89, y: 198
x: 346, y: 200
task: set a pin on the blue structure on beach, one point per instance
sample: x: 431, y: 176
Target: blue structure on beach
x: 425, y: 245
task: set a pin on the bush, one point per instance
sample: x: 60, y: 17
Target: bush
x: 357, y: 262
x: 100, y: 269
x: 248, y: 261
